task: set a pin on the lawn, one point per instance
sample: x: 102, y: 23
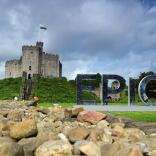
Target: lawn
x: 137, y: 116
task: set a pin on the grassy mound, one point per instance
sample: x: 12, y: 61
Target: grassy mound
x: 9, y: 88
x: 59, y: 90
x: 52, y: 90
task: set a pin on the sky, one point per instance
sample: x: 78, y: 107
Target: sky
x: 90, y: 36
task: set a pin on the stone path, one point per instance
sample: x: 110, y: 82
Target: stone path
x: 119, y: 108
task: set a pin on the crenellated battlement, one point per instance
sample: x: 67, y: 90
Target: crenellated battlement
x: 48, y: 55
x: 26, y: 47
x: 13, y: 61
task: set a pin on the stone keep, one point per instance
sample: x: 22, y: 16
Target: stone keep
x: 34, y: 61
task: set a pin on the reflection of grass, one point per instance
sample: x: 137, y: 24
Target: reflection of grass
x: 137, y: 116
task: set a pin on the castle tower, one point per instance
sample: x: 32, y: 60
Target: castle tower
x: 31, y: 59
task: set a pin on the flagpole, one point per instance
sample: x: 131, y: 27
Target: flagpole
x: 42, y: 35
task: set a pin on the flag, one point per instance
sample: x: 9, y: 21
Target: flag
x: 43, y: 27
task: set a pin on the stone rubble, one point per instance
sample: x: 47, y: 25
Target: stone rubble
x: 55, y: 131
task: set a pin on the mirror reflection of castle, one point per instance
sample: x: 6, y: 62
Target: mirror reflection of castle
x: 34, y: 61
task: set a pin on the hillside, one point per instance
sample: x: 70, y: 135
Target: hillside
x: 9, y: 88
x: 48, y: 89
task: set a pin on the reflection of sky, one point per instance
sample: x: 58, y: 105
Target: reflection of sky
x: 107, y: 37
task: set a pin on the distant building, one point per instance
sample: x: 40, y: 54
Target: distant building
x: 34, y: 61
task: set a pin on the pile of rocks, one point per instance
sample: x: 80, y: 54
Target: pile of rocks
x: 40, y: 131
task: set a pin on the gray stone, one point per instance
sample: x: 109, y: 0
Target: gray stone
x: 9, y: 148
x: 29, y: 145
x: 54, y: 148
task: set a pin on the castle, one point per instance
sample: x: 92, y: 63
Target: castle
x: 34, y: 61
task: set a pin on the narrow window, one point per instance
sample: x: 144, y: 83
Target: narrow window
x: 29, y: 67
x: 29, y: 76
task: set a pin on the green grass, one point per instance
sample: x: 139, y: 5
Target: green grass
x: 137, y: 116
x: 54, y: 90
x: 9, y: 88
x: 49, y: 90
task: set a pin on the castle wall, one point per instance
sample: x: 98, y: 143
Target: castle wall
x: 30, y: 60
x: 13, y: 69
x: 50, y: 65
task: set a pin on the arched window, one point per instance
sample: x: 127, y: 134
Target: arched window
x: 29, y: 76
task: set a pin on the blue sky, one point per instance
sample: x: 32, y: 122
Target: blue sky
x: 91, y: 36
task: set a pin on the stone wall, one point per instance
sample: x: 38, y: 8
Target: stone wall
x: 30, y: 60
x: 13, y: 69
x: 50, y: 65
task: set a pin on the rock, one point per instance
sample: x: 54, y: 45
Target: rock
x: 90, y: 116
x: 110, y: 149
x: 135, y: 151
x: 78, y: 133
x: 58, y: 124
x: 150, y: 142
x: 43, y: 110
x: 118, y: 132
x: 102, y: 124
x: 10, y: 148
x: 56, y: 114
x: 46, y: 137
x: 26, y: 128
x: 68, y: 113
x: 51, y: 131
x: 77, y: 146
x: 54, y: 148
x: 76, y: 111
x: 29, y: 145
x: 118, y: 123
x: 134, y: 134
x: 120, y: 148
x: 15, y: 115
x: 143, y: 147
x: 46, y: 126
x: 107, y: 139
x: 46, y: 131
x: 153, y: 153
x: 3, y: 123
x: 63, y: 137
x: 98, y: 135
x: 153, y: 135
x: 153, y: 143
x: 90, y: 149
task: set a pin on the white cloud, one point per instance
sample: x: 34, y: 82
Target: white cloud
x: 2, y: 70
